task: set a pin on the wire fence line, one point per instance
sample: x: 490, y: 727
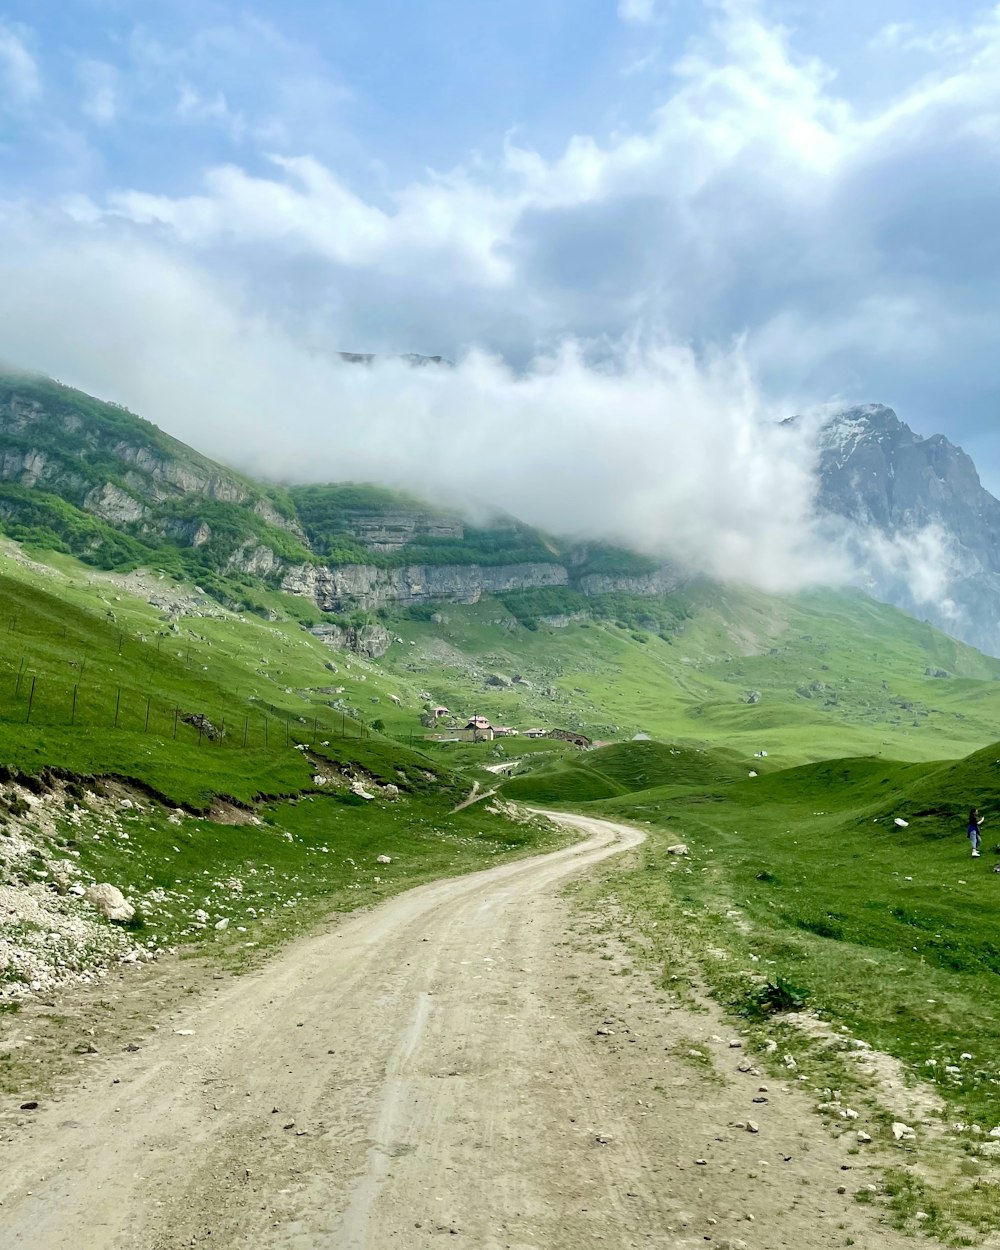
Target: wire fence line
x: 31, y: 696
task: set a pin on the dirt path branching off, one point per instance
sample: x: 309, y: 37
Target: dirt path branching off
x: 466, y: 1061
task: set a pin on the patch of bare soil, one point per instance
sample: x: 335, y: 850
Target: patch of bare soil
x: 469, y: 1060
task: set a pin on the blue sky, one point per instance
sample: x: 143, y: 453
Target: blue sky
x: 814, y: 189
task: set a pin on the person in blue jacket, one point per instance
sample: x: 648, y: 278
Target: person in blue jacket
x: 975, y: 824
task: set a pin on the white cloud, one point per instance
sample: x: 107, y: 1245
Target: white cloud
x: 637, y: 11
x: 843, y: 245
x: 670, y: 453
x: 20, y: 79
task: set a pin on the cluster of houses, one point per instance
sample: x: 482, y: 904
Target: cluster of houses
x: 479, y: 729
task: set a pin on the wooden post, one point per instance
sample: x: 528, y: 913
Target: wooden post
x: 31, y: 699
x: 246, y: 730
x: 145, y: 728
x: 72, y: 717
x: 177, y: 713
x: 118, y: 702
x: 20, y: 671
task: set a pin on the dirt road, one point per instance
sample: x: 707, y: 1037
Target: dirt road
x: 468, y: 1061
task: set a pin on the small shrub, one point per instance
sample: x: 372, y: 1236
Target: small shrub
x: 774, y: 997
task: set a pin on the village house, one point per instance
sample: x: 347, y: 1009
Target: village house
x: 439, y: 712
x: 480, y: 729
x: 504, y: 731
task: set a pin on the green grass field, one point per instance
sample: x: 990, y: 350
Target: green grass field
x: 801, y: 877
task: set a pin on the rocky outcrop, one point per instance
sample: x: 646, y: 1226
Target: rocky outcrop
x: 114, y: 505
x: 255, y: 559
x: 390, y: 531
x: 660, y: 582
x: 348, y: 586
x: 371, y: 640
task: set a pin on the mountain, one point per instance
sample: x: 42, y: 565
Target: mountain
x: 918, y: 520
x: 493, y: 617
x: 94, y: 480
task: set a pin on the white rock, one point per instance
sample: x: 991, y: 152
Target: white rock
x: 679, y: 848
x: 222, y: 924
x: 901, y: 1130
x: 383, y: 859
x: 903, y: 824
x: 110, y: 902
x: 863, y: 1136
x: 201, y: 916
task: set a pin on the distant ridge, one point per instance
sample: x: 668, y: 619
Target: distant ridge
x: 411, y: 358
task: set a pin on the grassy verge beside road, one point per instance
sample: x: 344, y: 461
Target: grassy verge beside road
x: 800, y: 888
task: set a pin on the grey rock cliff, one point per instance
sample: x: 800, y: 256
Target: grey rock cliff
x: 343, y: 587
x: 881, y: 478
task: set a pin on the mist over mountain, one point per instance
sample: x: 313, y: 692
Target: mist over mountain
x: 855, y: 497
x: 918, y: 524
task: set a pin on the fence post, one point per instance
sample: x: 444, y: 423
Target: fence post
x: 72, y: 716
x: 17, y: 688
x: 246, y: 730
x: 118, y: 702
x: 145, y: 727
x: 31, y: 699
x: 177, y: 713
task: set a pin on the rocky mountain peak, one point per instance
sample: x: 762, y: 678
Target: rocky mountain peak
x: 886, y: 480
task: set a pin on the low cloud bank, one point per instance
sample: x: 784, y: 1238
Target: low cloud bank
x: 655, y: 447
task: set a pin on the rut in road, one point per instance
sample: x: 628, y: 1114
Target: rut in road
x: 428, y: 1068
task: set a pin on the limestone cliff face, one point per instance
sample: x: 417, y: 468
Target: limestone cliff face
x: 891, y: 487
x: 660, y: 582
x: 113, y: 504
x: 371, y: 640
x: 391, y: 531
x: 348, y: 586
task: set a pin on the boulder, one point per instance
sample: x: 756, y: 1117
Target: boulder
x: 679, y: 848
x: 110, y: 902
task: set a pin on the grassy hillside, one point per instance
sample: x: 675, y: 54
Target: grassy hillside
x: 90, y: 478
x: 799, y: 886
x: 836, y: 674
x: 250, y: 816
